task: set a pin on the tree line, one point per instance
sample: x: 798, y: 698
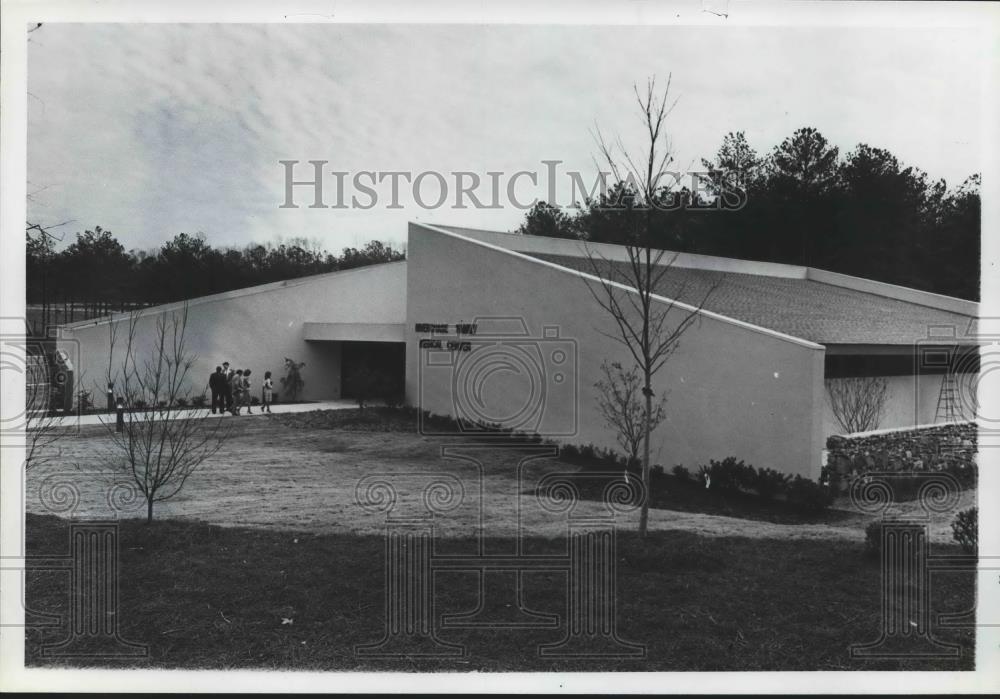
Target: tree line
x: 95, y: 267
x: 866, y: 214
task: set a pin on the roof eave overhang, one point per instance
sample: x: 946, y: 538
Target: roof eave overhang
x: 861, y: 349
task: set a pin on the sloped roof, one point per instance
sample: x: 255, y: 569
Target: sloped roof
x: 804, y: 308
x: 234, y: 293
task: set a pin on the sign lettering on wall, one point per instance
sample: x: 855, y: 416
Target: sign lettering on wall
x: 444, y: 329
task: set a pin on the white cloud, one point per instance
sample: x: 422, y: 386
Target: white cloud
x: 151, y: 130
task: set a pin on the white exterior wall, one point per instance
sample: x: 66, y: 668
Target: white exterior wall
x: 912, y: 400
x: 733, y: 390
x: 255, y: 328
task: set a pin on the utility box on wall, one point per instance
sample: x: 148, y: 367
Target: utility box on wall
x: 61, y: 377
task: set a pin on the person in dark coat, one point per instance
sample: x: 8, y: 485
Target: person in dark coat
x: 217, y: 385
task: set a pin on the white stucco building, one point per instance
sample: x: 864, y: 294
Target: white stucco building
x: 501, y: 328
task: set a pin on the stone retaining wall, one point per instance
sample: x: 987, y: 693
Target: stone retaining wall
x: 948, y: 447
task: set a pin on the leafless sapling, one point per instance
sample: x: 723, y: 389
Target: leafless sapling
x: 648, y: 324
x: 160, y: 444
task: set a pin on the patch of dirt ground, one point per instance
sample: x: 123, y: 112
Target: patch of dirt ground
x: 273, y: 474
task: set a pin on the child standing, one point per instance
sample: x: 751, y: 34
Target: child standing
x: 267, y: 392
x: 246, y: 391
x: 237, y: 392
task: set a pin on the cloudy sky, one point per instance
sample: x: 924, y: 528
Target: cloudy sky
x: 153, y: 130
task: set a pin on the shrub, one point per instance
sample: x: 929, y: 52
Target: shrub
x: 83, y: 400
x: 965, y: 529
x: 808, y: 494
x: 610, y: 459
x: 568, y: 452
x: 633, y: 464
x: 656, y: 471
x: 730, y: 474
x: 858, y: 403
x: 589, y: 455
x: 681, y: 473
x: 292, y: 380
x: 835, y: 480
x: 139, y: 404
x: 705, y: 476
x: 182, y: 402
x: 964, y: 470
x: 254, y: 400
x: 767, y: 483
x: 873, y: 538
x: 199, y: 401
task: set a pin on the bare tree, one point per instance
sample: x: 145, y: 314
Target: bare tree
x: 623, y: 410
x: 650, y: 326
x: 160, y: 446
x: 858, y: 402
x: 42, y: 426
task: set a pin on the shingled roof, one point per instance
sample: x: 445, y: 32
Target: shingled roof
x: 804, y: 308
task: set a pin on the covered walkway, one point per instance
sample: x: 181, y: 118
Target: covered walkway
x: 104, y: 418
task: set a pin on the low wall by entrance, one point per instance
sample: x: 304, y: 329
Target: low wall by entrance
x: 949, y: 447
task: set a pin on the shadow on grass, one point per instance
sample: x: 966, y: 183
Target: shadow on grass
x: 372, y: 419
x: 203, y: 596
x: 685, y: 495
x: 669, y: 492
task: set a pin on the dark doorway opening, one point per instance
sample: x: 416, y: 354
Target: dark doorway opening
x: 373, y: 367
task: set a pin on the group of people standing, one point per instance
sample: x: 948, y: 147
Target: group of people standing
x: 231, y: 390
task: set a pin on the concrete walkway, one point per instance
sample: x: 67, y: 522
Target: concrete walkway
x: 276, y: 408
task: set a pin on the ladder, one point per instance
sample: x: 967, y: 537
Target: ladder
x: 947, y: 408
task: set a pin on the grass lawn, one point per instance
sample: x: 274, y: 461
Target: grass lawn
x: 688, y: 495
x: 202, y: 596
x: 265, y: 560
x: 299, y: 472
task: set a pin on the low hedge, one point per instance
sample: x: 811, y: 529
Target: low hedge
x: 591, y: 456
x: 727, y: 476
